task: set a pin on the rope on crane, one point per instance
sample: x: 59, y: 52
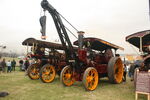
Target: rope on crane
x: 68, y: 22
x: 71, y: 33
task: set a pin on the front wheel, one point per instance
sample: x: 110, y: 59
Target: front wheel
x: 47, y: 73
x: 66, y: 76
x: 33, y: 71
x: 90, y: 78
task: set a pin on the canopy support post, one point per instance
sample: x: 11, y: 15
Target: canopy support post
x: 141, y: 45
x: 27, y: 48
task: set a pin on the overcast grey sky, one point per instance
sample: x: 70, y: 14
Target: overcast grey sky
x: 110, y: 20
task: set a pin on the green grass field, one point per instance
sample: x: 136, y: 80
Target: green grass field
x: 21, y: 87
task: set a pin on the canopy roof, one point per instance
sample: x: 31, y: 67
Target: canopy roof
x: 99, y: 44
x: 134, y: 39
x: 31, y: 41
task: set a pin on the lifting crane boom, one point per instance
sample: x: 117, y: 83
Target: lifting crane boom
x: 70, y: 54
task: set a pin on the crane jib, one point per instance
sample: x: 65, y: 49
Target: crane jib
x: 61, y: 30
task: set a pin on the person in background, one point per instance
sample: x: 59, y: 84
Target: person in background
x: 13, y: 64
x: 0, y: 66
x: 124, y: 73
x: 21, y: 64
x: 131, y: 71
x: 26, y: 64
x: 3, y: 63
x: 8, y: 66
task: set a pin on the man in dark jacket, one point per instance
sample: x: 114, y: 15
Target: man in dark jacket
x: 26, y: 64
x: 3, y: 64
x: 21, y: 64
x: 131, y: 71
x: 0, y: 66
x: 13, y: 64
x: 124, y: 73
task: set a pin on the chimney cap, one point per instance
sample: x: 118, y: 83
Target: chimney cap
x: 81, y: 32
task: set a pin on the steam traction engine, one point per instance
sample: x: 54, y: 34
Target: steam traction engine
x: 47, y: 60
x: 92, y: 60
x: 141, y: 40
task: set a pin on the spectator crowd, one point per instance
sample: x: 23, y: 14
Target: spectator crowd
x: 10, y: 65
x: 7, y: 65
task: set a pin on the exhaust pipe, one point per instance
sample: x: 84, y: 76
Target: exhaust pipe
x: 80, y: 39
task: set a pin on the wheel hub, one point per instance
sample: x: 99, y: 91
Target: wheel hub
x: 68, y: 76
x: 89, y: 78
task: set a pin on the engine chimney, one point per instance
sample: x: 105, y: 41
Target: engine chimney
x: 80, y: 39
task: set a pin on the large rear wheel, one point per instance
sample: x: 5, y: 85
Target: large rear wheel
x: 47, y: 73
x: 90, y: 78
x: 33, y: 71
x: 115, y: 70
x: 66, y: 76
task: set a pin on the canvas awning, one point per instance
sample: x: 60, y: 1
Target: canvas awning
x: 45, y: 44
x: 99, y: 44
x: 139, y: 38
